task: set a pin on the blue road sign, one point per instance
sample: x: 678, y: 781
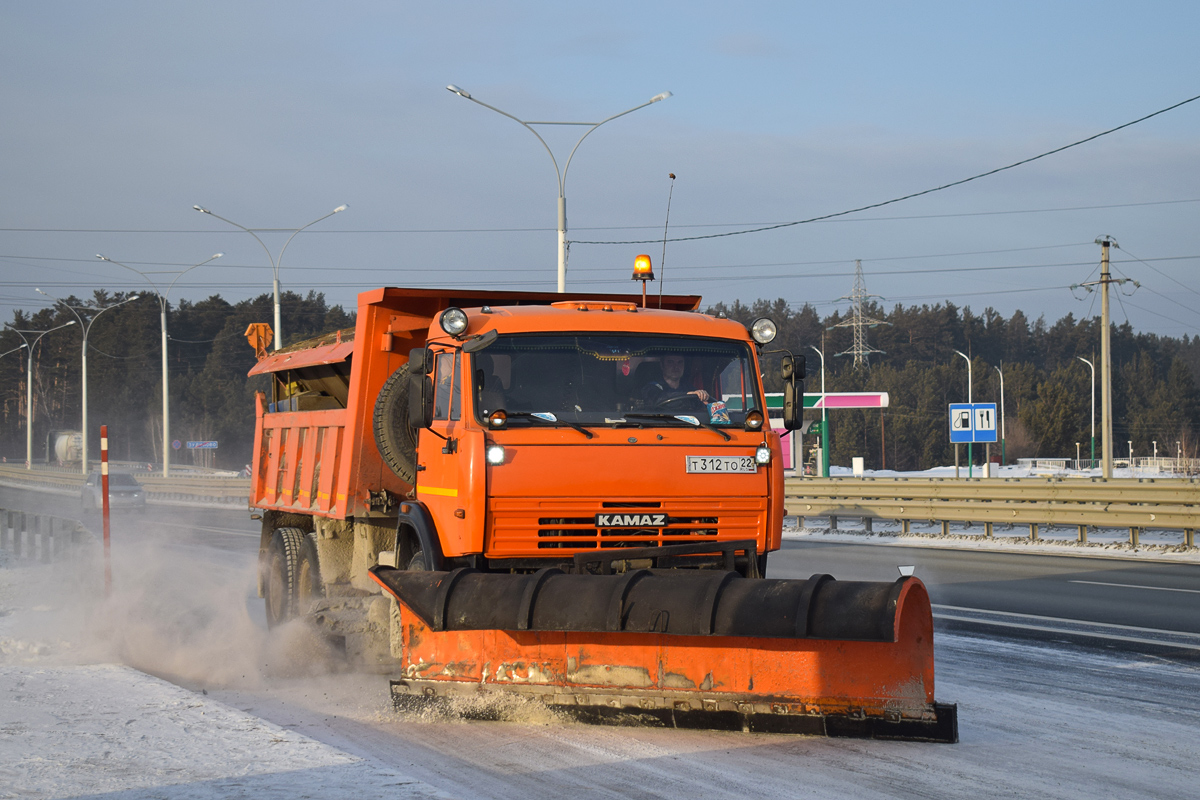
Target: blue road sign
x: 983, y: 419
x: 202, y: 445
x: 961, y: 427
x: 972, y: 423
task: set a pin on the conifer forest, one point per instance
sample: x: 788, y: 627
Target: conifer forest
x: 1047, y: 389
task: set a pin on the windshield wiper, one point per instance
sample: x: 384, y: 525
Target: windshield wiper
x: 546, y: 416
x: 686, y: 419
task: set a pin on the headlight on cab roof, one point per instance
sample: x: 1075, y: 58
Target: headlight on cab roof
x: 763, y: 330
x: 453, y: 321
x: 762, y: 455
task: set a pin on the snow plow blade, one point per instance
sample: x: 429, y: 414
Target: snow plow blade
x: 680, y: 648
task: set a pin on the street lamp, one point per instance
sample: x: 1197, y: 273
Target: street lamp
x: 562, y: 174
x: 87, y: 327
x: 824, y: 419
x: 275, y: 262
x: 1002, y: 437
x: 970, y: 402
x: 162, y: 306
x: 1092, y: 367
x: 29, y: 385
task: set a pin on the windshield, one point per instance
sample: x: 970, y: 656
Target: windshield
x: 599, y: 379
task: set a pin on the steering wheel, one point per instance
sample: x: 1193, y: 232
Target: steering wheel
x: 681, y: 403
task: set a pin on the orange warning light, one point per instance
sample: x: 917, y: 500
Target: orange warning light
x: 642, y: 270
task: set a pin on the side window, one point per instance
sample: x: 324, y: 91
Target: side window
x: 447, y: 401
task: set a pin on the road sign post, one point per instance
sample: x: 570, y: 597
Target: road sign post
x: 971, y: 423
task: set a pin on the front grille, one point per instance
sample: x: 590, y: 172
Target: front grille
x: 528, y: 527
x: 580, y: 532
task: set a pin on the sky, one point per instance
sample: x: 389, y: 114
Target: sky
x: 119, y: 117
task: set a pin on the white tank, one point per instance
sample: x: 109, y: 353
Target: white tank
x: 68, y: 446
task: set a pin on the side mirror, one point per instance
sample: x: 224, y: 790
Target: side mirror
x: 477, y: 343
x: 420, y: 361
x: 793, y: 404
x: 420, y: 401
x: 793, y: 366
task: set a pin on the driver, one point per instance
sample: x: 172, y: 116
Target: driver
x: 671, y: 386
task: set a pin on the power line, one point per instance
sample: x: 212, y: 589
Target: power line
x: 914, y: 194
x: 372, y: 231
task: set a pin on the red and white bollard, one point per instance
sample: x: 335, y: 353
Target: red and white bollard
x: 104, y: 514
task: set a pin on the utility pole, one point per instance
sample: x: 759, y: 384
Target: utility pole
x: 1106, y: 421
x: 1106, y: 430
x: 1106, y: 359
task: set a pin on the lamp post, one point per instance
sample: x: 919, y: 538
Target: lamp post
x: 970, y: 402
x: 824, y: 419
x: 1002, y: 436
x: 162, y: 307
x: 29, y: 384
x: 1092, y: 367
x: 275, y: 262
x: 562, y: 174
x: 87, y: 327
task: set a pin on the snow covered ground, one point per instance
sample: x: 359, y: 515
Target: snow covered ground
x: 172, y: 688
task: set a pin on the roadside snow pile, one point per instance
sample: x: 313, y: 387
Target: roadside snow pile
x: 1163, y: 545
x: 73, y: 731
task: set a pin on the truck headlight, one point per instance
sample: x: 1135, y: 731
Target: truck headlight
x: 494, y: 454
x: 453, y: 321
x: 763, y: 330
x: 762, y: 455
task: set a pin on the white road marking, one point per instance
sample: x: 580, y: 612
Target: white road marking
x: 1064, y: 631
x: 1183, y: 639
x: 1138, y: 586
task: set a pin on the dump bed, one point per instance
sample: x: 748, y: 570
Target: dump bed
x: 314, y: 446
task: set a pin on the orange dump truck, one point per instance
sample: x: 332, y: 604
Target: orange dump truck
x: 570, y: 497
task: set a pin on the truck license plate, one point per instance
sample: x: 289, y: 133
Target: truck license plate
x: 721, y: 464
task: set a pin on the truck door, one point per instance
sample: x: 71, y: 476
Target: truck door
x: 438, y: 448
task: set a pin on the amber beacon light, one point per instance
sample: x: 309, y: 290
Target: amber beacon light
x: 643, y: 271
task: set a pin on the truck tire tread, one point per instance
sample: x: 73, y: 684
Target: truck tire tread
x: 393, y: 436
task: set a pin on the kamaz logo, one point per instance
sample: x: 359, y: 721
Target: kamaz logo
x: 631, y: 520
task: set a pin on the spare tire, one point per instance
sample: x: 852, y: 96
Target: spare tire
x: 396, y: 440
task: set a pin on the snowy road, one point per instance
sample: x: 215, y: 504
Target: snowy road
x: 1044, y: 717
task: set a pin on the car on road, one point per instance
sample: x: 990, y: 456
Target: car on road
x: 124, y: 493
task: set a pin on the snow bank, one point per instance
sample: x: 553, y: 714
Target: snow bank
x: 71, y: 731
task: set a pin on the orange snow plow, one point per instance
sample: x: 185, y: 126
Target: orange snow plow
x: 678, y: 648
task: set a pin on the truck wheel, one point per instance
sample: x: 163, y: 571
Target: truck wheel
x: 393, y: 436
x: 293, y: 574
x: 417, y: 562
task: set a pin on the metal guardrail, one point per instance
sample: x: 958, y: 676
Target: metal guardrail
x: 188, y: 488
x: 40, y: 537
x: 1140, y: 467
x: 1136, y: 504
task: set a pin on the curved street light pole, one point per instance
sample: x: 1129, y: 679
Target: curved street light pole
x: 87, y: 328
x: 1002, y: 436
x: 162, y: 306
x: 561, y: 174
x: 275, y: 262
x: 970, y: 402
x: 1092, y: 367
x: 824, y: 419
x: 29, y: 384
